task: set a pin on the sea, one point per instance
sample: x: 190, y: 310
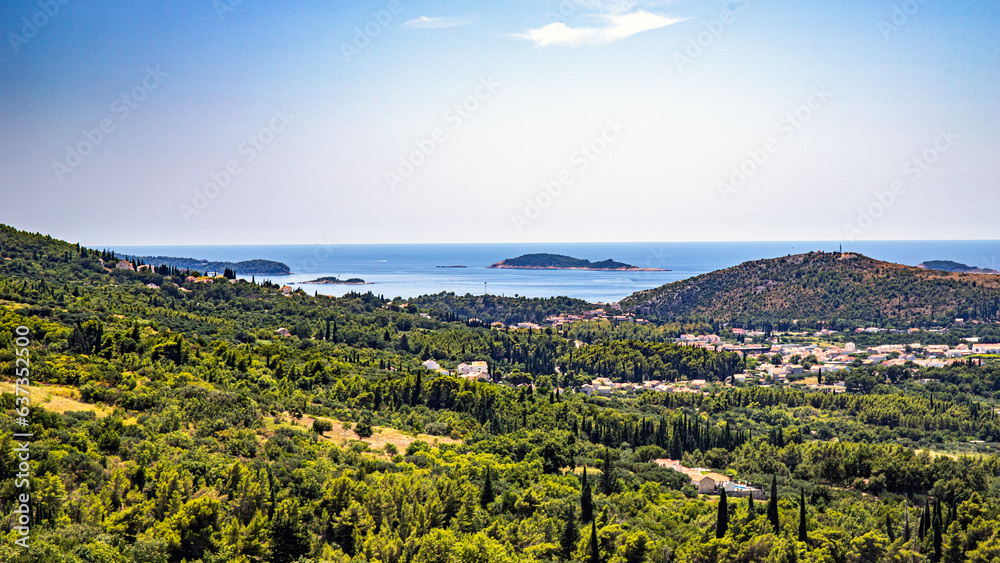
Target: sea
x: 410, y: 270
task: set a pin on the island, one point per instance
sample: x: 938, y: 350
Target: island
x: 245, y: 268
x: 451, y: 266
x: 561, y: 262
x: 333, y: 280
x: 955, y: 267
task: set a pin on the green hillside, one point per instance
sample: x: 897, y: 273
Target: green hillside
x: 168, y: 421
x: 825, y: 286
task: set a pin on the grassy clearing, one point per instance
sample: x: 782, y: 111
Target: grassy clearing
x: 57, y: 398
x: 342, y: 433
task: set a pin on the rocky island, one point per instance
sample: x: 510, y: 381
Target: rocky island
x: 333, y: 280
x: 561, y: 262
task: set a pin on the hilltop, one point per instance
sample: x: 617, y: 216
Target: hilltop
x: 824, y: 286
x: 542, y: 261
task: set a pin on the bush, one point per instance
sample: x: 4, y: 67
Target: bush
x: 363, y: 429
x: 321, y: 426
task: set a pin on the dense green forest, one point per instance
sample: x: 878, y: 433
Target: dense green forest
x: 175, y: 424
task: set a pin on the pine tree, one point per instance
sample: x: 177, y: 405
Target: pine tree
x: 802, y: 516
x: 954, y: 551
x: 586, y: 500
x: 722, y: 520
x: 772, y: 507
x: 488, y: 495
x: 595, y: 555
x: 570, y: 534
x: 289, y: 536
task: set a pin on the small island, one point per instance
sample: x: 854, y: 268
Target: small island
x: 955, y: 267
x: 333, y: 280
x: 451, y: 266
x: 561, y: 262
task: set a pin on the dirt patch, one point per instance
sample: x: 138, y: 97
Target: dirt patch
x: 57, y: 398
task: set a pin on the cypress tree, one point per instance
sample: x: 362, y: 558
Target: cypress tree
x: 802, y: 515
x: 570, y: 535
x: 906, y: 523
x: 888, y: 528
x: 751, y: 511
x: 586, y: 500
x: 722, y: 521
x: 488, y: 495
x: 595, y: 555
x: 772, y: 507
x: 936, y: 525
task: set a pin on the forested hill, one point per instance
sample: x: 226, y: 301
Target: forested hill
x: 245, y: 267
x: 825, y: 286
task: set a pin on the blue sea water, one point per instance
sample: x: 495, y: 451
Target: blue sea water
x: 409, y: 270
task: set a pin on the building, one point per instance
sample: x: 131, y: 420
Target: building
x: 475, y: 367
x: 431, y: 365
x: 286, y: 289
x: 283, y: 332
x: 125, y: 265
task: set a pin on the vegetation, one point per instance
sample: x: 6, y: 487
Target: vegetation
x: 244, y: 268
x: 560, y: 262
x: 825, y: 287
x: 174, y: 424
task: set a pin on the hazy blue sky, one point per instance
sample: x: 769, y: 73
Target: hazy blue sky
x: 444, y: 121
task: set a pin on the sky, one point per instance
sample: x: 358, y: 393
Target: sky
x: 283, y: 122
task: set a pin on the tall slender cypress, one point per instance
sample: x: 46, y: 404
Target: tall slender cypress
x: 570, y: 535
x: 906, y: 523
x: 888, y: 528
x: 586, y: 500
x: 722, y: 521
x: 751, y: 511
x: 936, y: 525
x: 772, y: 507
x: 802, y: 515
x: 488, y: 495
x: 595, y: 555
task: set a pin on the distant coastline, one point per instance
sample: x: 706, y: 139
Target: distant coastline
x: 451, y: 266
x: 245, y: 268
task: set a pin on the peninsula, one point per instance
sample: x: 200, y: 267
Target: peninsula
x: 561, y: 262
x: 245, y: 268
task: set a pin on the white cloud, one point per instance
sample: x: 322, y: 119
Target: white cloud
x: 423, y: 22
x: 619, y: 26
